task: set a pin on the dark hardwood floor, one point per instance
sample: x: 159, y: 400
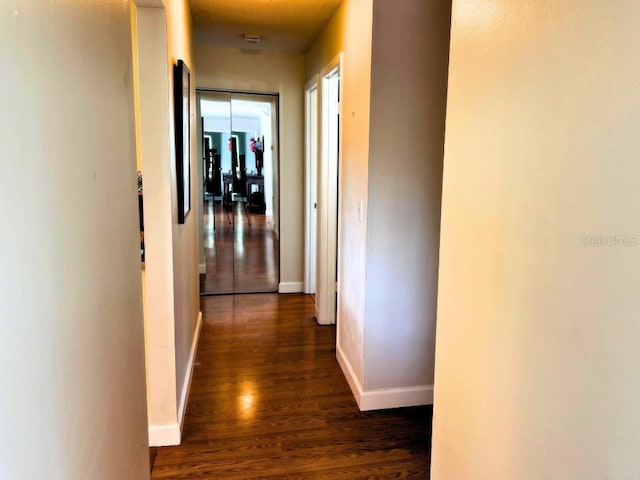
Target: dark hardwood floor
x: 268, y: 401
x: 239, y: 257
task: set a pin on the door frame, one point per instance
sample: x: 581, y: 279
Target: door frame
x: 312, y: 125
x: 328, y: 289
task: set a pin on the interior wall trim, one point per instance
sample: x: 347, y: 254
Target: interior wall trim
x: 164, y: 435
x: 186, y: 386
x: 170, y: 434
x: 396, y: 397
x: 291, y: 287
x: 241, y: 92
x: 350, y: 375
x: 383, y: 398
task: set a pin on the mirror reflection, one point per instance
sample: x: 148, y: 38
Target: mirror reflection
x: 240, y: 249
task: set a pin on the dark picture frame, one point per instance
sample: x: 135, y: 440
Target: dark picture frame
x: 181, y: 94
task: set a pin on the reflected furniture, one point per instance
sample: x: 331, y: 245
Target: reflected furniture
x: 255, y: 198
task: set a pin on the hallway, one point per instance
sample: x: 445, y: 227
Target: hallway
x: 268, y: 400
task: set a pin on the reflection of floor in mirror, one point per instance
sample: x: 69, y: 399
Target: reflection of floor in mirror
x: 241, y: 259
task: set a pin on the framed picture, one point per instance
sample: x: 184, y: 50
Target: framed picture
x: 181, y: 91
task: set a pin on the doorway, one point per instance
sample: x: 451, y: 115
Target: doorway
x: 327, y: 288
x: 239, y: 247
x: 311, y: 180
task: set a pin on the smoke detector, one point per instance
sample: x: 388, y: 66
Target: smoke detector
x: 252, y: 39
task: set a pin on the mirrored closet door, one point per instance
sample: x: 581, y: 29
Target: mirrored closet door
x: 239, y: 250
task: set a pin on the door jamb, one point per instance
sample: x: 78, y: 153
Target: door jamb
x: 309, y: 271
x: 328, y: 291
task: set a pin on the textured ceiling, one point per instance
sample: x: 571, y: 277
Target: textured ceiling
x: 289, y: 25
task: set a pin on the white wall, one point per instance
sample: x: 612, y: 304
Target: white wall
x: 273, y: 72
x: 408, y: 101
x: 71, y: 342
x: 268, y: 170
x: 537, y: 342
x: 214, y: 124
x: 349, y: 31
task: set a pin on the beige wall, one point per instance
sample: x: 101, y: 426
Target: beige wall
x: 71, y: 335
x: 537, y: 342
x: 408, y: 101
x: 330, y: 41
x: 185, y: 237
x: 136, y: 87
x: 158, y: 274
x: 349, y: 31
x: 273, y: 72
x: 171, y: 275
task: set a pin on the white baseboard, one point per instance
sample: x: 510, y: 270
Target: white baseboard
x: 383, y: 398
x: 291, y: 287
x: 164, y: 435
x: 186, y: 386
x: 171, y: 434
x: 349, y: 374
x: 202, y: 268
x: 396, y: 397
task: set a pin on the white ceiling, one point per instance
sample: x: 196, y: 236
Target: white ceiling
x: 285, y: 25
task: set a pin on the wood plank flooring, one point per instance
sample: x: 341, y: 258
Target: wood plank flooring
x: 239, y: 257
x: 268, y: 401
